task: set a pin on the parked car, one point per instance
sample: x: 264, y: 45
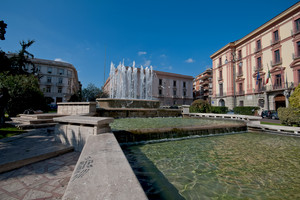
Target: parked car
x: 271, y: 114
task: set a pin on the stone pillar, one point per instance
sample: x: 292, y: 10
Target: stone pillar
x: 266, y: 106
x: 287, y: 95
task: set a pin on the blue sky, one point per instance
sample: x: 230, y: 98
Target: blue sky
x: 175, y: 36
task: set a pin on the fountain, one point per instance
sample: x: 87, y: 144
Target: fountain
x: 131, y: 93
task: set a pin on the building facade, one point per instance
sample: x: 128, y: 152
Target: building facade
x: 262, y: 68
x: 59, y: 80
x: 203, y: 85
x: 169, y: 88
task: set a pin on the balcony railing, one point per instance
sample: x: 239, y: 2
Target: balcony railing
x: 275, y: 40
x: 220, y: 78
x: 296, y: 56
x: 221, y: 94
x: 239, y: 74
x: 256, y: 50
x: 242, y: 92
x: 280, y: 86
x: 295, y: 32
x: 276, y: 62
x: 257, y: 68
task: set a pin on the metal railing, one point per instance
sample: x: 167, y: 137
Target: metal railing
x: 275, y: 40
x: 276, y: 62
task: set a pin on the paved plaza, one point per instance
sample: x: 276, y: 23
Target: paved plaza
x: 46, y: 179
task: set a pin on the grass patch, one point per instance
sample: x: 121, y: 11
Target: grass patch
x: 270, y: 123
x: 8, y: 131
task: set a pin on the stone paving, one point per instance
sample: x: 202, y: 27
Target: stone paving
x: 47, y: 179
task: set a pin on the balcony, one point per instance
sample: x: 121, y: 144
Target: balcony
x: 59, y: 84
x: 257, y: 50
x: 276, y: 62
x: 295, y: 32
x: 275, y: 41
x: 296, y: 56
x: 242, y: 92
x: 221, y: 94
x: 239, y: 74
x: 257, y: 68
x: 261, y: 89
x: 281, y: 86
x: 220, y: 78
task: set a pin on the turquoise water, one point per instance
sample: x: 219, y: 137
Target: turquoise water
x: 239, y: 166
x: 142, y: 123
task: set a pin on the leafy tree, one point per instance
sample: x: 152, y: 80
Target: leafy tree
x: 24, y: 93
x: 91, y: 93
x: 3, y: 26
x: 200, y: 106
x: 295, y: 99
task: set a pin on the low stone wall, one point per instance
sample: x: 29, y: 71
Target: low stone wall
x: 103, y: 172
x: 137, y: 112
x: 76, y: 108
x: 74, y: 130
x: 163, y: 133
x: 127, y: 103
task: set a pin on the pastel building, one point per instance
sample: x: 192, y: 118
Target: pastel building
x: 169, y: 88
x: 261, y: 69
x: 59, y: 80
x: 203, y: 85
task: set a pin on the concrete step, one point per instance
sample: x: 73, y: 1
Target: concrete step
x: 34, y: 126
x: 25, y: 158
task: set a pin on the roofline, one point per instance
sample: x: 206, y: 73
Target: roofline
x: 291, y: 10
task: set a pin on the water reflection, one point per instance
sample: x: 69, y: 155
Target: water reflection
x: 240, y: 166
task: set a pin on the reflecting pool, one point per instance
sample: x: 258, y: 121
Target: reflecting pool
x: 238, y: 166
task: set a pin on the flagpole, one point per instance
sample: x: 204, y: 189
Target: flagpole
x: 270, y: 76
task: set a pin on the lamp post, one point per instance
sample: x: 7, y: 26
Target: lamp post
x: 234, y: 75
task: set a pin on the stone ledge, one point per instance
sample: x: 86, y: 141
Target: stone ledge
x: 83, y: 120
x: 103, y: 172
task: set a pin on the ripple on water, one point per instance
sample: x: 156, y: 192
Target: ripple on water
x: 247, y: 166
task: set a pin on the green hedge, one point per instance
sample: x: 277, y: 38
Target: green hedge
x: 219, y: 109
x: 289, y: 116
x: 245, y: 110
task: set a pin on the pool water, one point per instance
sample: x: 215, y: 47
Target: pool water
x: 238, y: 166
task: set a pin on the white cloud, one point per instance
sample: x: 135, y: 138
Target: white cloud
x: 59, y: 59
x: 142, y: 53
x: 147, y: 63
x: 163, y: 56
x: 190, y: 60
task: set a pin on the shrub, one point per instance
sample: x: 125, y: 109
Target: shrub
x: 289, y: 116
x: 219, y: 109
x: 245, y: 110
x: 200, y: 106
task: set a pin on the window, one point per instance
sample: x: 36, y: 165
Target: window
x: 240, y: 68
x: 260, y: 84
x: 49, y: 79
x: 184, y: 85
x: 278, y: 81
x: 241, y: 103
x: 160, y: 91
x: 69, y: 73
x: 220, y: 61
x: 69, y: 81
x: 174, y: 92
x: 48, y: 89
x: 298, y: 50
x: 38, y: 68
x: 184, y: 93
x: 174, y: 83
x: 259, y: 63
x: 298, y: 76
x: 160, y: 81
x: 221, y: 77
x: 240, y: 88
x: 297, y: 25
x: 60, y: 71
x: 60, y: 80
x: 258, y: 45
x: 221, y: 89
x: 59, y: 89
x: 240, y: 54
x: 276, y: 36
x: 49, y: 70
x: 277, y: 56
x: 26, y: 67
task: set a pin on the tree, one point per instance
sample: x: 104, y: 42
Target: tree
x: 24, y: 93
x: 295, y: 99
x: 91, y: 93
x: 3, y: 26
